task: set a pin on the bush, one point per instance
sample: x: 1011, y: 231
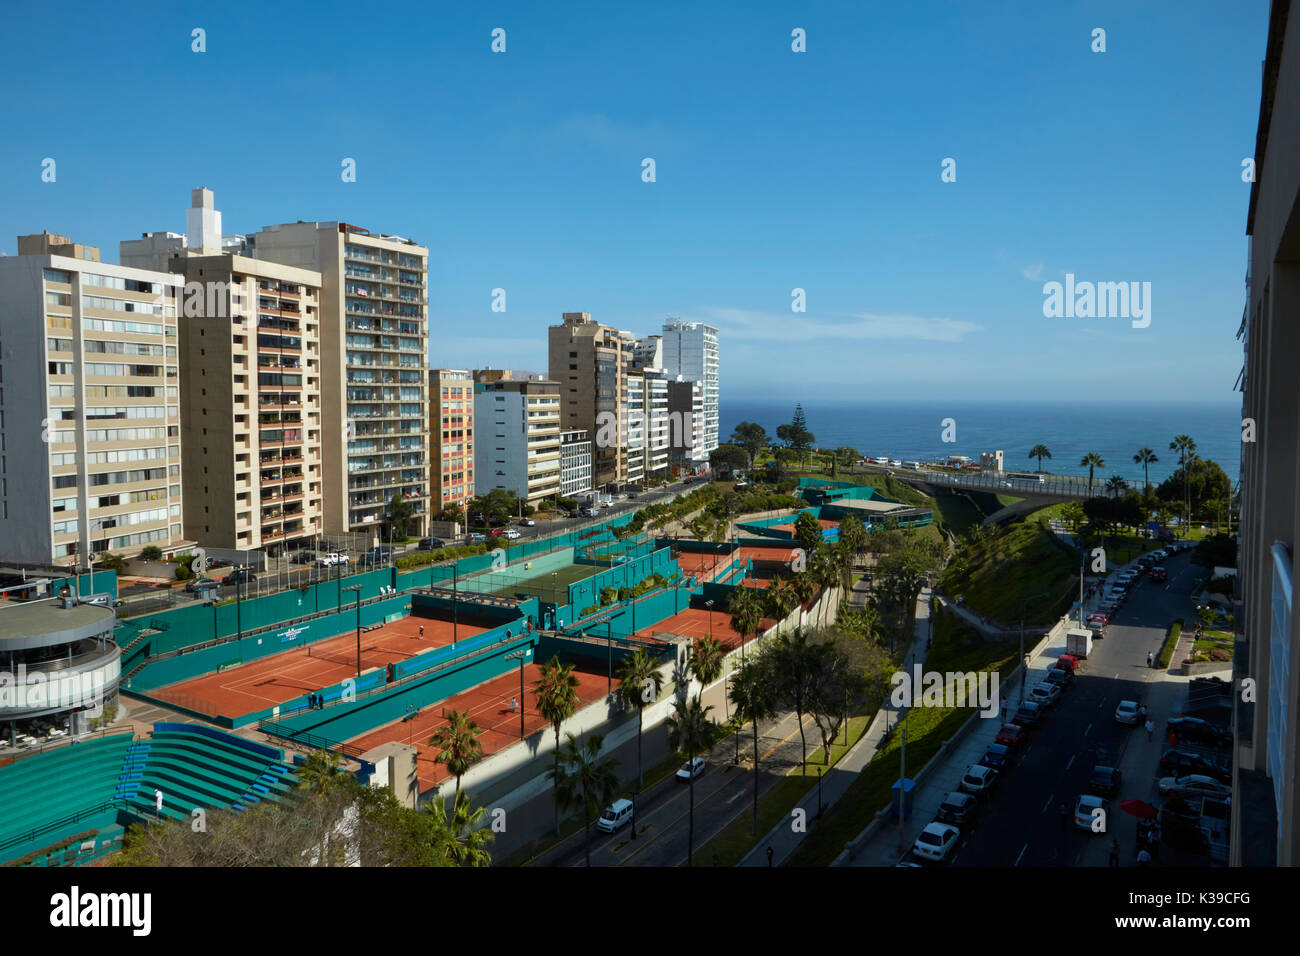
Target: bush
x: 422, y: 558
x: 151, y: 553
x: 183, y: 572
x: 111, y: 562
x: 592, y: 609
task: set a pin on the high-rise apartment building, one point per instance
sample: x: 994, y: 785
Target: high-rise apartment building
x: 90, y: 416
x: 1265, y: 824
x: 690, y: 350
x: 590, y: 363
x: 374, y: 379
x: 517, y: 434
x: 686, y: 454
x: 250, y: 401
x: 451, y: 437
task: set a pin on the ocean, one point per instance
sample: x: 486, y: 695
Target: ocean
x: 913, y: 431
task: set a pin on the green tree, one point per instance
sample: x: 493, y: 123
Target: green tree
x: 151, y: 553
x: 752, y: 438
x: 584, y: 780
x: 400, y: 514
x: 754, y: 698
x: 706, y: 660
x: 690, y: 732
x: 726, y: 460
x: 640, y: 684
x: 1115, y: 484
x: 1146, y: 458
x: 458, y: 745
x: 779, y: 599
x: 1040, y: 452
x: 790, y: 666
x: 808, y: 532
x: 796, y: 435
x: 1091, y: 461
x: 557, y: 701
x: 853, y: 535
x: 1186, y: 448
x: 463, y: 835
x: 112, y: 562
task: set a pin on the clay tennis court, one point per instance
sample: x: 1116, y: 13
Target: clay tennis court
x: 488, y: 705
x: 694, y: 622
x: 824, y: 522
x: 273, y: 680
x: 768, y: 561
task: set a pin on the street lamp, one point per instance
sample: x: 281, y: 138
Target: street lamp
x: 1024, y: 665
x: 520, y: 655
x: 356, y: 588
x: 709, y: 605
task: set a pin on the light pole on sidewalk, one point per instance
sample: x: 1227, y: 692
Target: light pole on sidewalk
x: 1024, y: 664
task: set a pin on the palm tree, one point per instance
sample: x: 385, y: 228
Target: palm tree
x: 463, y: 835
x: 1185, y: 446
x: 752, y: 696
x: 804, y: 587
x: 557, y: 701
x: 584, y: 779
x: 1040, y: 452
x: 1090, y: 461
x: 780, y: 601
x: 691, y: 732
x: 706, y: 661
x: 458, y: 744
x: 320, y: 773
x: 639, y: 679
x: 825, y: 569
x: 1115, y: 485
x: 1145, y: 457
x: 791, y: 666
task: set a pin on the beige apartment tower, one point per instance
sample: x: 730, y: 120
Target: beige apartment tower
x: 590, y: 362
x: 374, y: 378
x: 250, y: 408
x: 90, y: 416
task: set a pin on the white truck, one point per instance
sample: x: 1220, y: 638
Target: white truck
x: 1078, y: 642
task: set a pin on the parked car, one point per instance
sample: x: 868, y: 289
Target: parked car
x: 957, y: 808
x: 978, y: 780
x: 1159, y: 574
x: 1198, y: 731
x: 513, y: 533
x: 431, y: 544
x: 197, y: 585
x: 936, y: 842
x: 1086, y: 816
x: 496, y: 532
x: 1098, y: 617
x: 330, y: 558
x: 1196, y: 784
x: 1063, y: 679
x: 1011, y: 735
x: 1128, y: 712
x: 1049, y: 695
x: 997, y: 757
x: 691, y: 769
x: 1177, y: 763
x: 1104, y: 781
x: 242, y: 576
x: 527, y: 522
x: 1068, y: 662
x: 1028, y: 714
x: 476, y: 537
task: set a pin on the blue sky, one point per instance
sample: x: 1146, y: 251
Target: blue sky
x: 775, y: 170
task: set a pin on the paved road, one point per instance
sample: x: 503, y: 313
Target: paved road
x: 1021, y: 824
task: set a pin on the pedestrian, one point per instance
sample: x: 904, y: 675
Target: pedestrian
x: 1065, y: 818
x: 157, y: 800
x: 1143, y: 857
x: 1173, y: 739
x: 1151, y: 729
x: 1114, y: 853
x: 770, y: 854
x: 1150, y: 659
x: 1142, y: 712
x: 514, y: 705
x: 422, y: 630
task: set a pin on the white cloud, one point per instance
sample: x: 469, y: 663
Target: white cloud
x: 799, y: 327
x: 1034, y: 273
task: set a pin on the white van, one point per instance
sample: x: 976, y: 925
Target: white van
x: 615, y: 816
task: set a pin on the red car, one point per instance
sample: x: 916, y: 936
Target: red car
x: 1068, y: 662
x: 1011, y: 735
x: 496, y: 532
x: 1159, y: 574
x: 1098, y: 619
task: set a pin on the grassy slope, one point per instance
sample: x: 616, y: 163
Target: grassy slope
x: 1015, y: 562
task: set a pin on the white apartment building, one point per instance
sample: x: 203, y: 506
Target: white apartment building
x: 690, y: 350
x: 90, y: 423
x: 575, y: 463
x: 516, y: 435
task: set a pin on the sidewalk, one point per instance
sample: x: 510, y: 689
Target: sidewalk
x: 782, y: 838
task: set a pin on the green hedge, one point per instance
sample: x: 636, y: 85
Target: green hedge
x: 1171, y: 641
x: 422, y: 558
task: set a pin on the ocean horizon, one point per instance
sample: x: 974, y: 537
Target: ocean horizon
x: 913, y: 430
